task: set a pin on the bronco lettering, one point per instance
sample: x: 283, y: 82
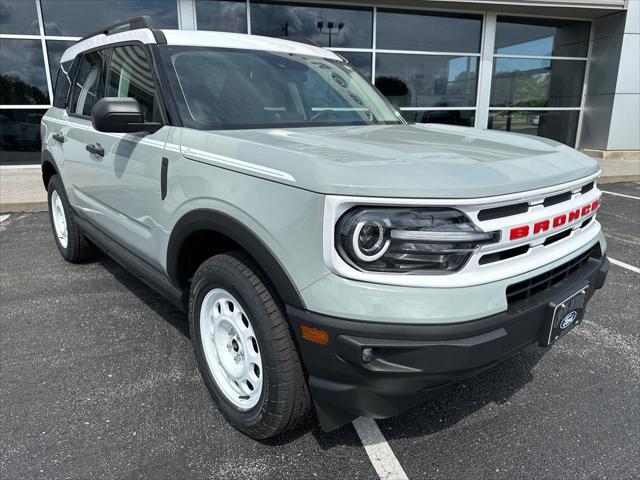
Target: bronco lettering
x: 523, y: 231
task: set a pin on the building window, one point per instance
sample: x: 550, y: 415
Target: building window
x: 23, y: 78
x: 463, y: 118
x: 78, y: 18
x: 557, y: 125
x: 328, y: 26
x: 538, y: 64
x: 20, y: 136
x: 222, y: 15
x: 431, y: 32
x: 526, y: 82
x: 427, y: 80
x: 542, y: 37
x: 431, y: 77
x: 19, y: 17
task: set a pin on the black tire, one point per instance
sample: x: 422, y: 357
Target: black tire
x: 78, y: 248
x: 285, y: 400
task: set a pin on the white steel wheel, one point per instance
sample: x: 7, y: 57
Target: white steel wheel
x: 59, y: 219
x: 231, y: 349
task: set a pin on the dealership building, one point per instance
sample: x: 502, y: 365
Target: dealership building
x: 562, y: 69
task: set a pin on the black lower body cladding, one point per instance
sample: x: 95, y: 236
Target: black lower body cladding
x: 409, y: 362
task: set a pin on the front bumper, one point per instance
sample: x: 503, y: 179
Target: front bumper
x: 411, y: 360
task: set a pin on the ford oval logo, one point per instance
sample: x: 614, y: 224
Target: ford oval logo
x: 568, y: 319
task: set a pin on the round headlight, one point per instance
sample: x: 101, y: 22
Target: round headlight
x: 369, y: 242
x: 408, y: 240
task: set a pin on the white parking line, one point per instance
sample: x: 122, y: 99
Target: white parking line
x: 378, y: 450
x: 3, y: 218
x: 624, y: 265
x: 620, y: 195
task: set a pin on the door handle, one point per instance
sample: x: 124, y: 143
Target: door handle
x: 96, y: 149
x: 58, y: 137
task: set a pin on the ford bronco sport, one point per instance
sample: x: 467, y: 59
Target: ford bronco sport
x: 330, y: 255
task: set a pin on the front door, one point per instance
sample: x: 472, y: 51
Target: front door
x: 126, y: 199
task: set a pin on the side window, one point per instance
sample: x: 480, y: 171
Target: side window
x: 130, y: 75
x: 63, y: 84
x: 87, y: 83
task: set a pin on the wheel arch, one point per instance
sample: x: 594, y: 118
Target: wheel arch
x: 215, y: 222
x: 48, y: 167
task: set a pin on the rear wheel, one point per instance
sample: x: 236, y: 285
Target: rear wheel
x: 70, y: 240
x: 244, y: 347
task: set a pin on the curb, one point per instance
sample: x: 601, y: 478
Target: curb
x: 24, y: 207
x: 618, y: 179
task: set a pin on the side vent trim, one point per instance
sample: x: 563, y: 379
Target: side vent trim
x: 163, y: 177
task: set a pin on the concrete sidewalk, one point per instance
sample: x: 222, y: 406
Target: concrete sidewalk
x: 21, y: 188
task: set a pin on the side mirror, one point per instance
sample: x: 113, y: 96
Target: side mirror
x: 120, y: 115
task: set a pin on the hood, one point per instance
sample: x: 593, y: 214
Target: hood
x: 419, y: 161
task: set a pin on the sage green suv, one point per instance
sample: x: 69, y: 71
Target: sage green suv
x: 331, y: 256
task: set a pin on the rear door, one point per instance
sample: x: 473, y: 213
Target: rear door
x: 126, y: 196
x: 79, y: 169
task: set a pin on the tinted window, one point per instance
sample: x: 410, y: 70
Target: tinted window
x: 537, y: 83
x: 78, y: 18
x: 20, y: 136
x: 62, y: 85
x: 428, y: 32
x: 330, y: 27
x: 19, y: 17
x: 464, y: 118
x: 23, y: 79
x: 532, y: 36
x: 87, y: 80
x: 252, y: 89
x: 130, y: 75
x: 560, y: 126
x: 427, y: 80
x: 55, y: 49
x: 220, y: 15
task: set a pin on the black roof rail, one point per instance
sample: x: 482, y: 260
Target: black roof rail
x: 134, y: 23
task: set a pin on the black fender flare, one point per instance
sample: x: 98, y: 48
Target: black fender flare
x: 46, y: 160
x: 218, y: 222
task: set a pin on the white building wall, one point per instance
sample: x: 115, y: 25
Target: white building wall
x: 611, y: 119
x: 624, y: 132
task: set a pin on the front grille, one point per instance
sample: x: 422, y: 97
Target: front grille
x: 554, y: 200
x: 503, y: 255
x: 523, y: 207
x: 506, y: 211
x: 557, y: 237
x: 533, y: 286
x: 588, y: 187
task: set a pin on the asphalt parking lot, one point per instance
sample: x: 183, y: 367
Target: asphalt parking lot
x: 97, y: 380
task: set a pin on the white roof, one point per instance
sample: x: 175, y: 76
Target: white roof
x: 202, y: 39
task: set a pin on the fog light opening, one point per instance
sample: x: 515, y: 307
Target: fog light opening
x: 367, y: 354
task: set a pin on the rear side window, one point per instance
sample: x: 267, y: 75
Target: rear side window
x: 63, y: 85
x: 86, y: 90
x: 130, y: 75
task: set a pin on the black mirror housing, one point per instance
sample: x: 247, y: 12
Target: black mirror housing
x: 120, y: 115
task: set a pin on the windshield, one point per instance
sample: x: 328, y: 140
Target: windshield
x: 231, y: 89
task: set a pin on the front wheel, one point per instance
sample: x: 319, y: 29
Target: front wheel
x: 244, y: 347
